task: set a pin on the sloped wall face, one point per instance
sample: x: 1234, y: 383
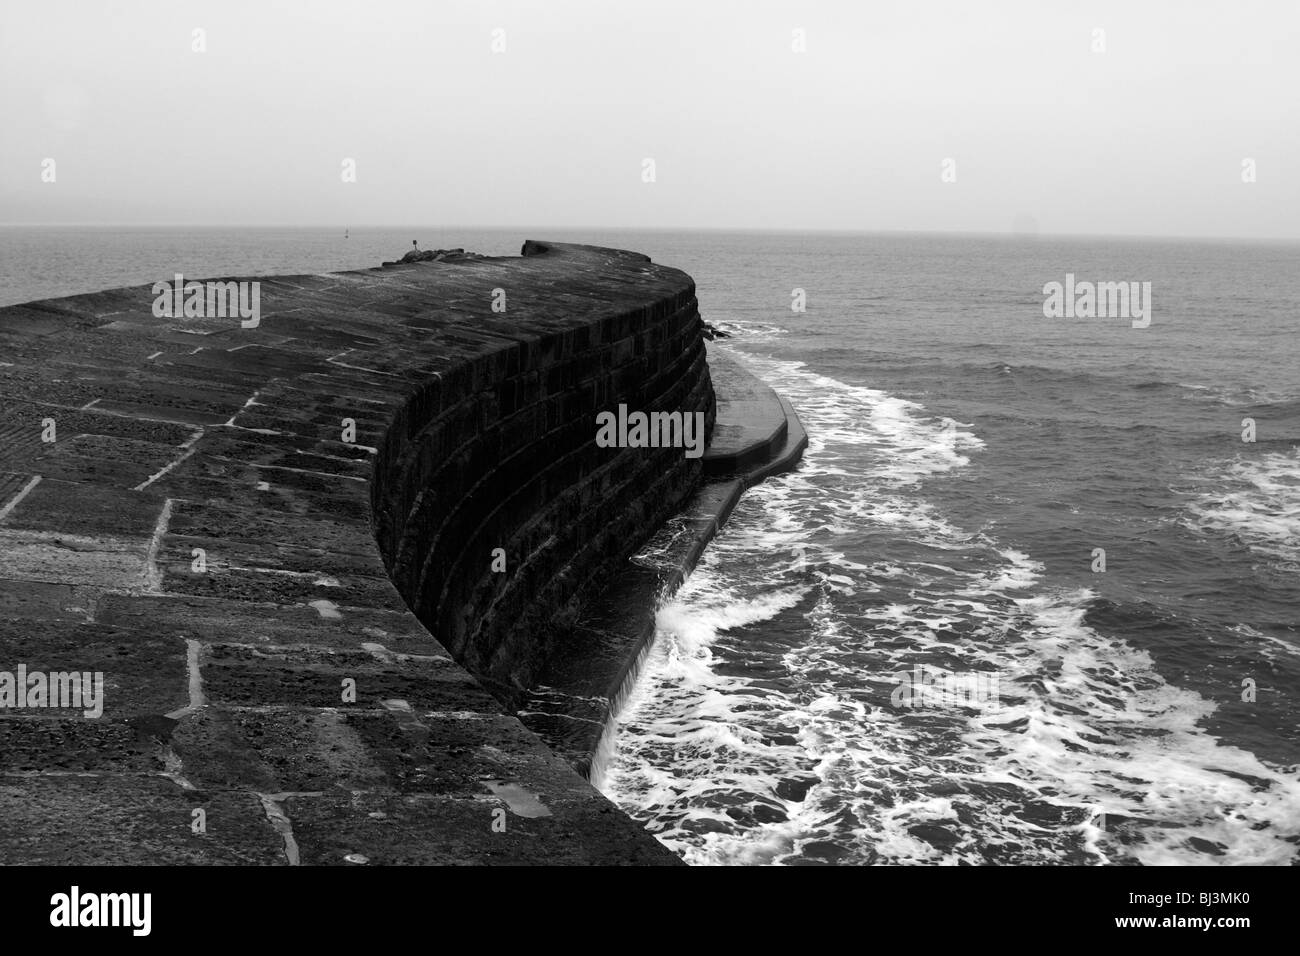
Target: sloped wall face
x: 496, y: 511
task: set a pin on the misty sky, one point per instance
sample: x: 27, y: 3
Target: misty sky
x: 1146, y: 138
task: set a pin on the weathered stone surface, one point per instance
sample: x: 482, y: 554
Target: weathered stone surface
x: 230, y: 523
x: 98, y: 819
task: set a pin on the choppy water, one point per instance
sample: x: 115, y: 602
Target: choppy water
x: 967, y: 457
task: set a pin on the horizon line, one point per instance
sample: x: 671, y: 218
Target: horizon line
x: 788, y: 230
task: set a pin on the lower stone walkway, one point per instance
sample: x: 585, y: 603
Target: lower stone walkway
x: 751, y: 426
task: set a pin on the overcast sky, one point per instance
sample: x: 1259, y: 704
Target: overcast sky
x: 1146, y: 138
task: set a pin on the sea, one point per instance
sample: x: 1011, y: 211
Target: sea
x: 1031, y: 597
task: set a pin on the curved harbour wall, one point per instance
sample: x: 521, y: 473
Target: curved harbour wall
x: 494, y: 508
x: 190, y: 505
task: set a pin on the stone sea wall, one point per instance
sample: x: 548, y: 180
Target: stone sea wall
x: 494, y: 508
x: 272, y: 537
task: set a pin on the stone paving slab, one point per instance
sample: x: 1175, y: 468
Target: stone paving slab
x: 132, y: 820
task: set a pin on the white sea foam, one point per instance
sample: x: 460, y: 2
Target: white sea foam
x: 754, y: 332
x: 1256, y: 498
x: 762, y: 732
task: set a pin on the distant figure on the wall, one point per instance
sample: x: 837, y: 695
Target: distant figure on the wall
x: 415, y: 246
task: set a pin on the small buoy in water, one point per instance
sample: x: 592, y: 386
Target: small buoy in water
x: 356, y: 858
